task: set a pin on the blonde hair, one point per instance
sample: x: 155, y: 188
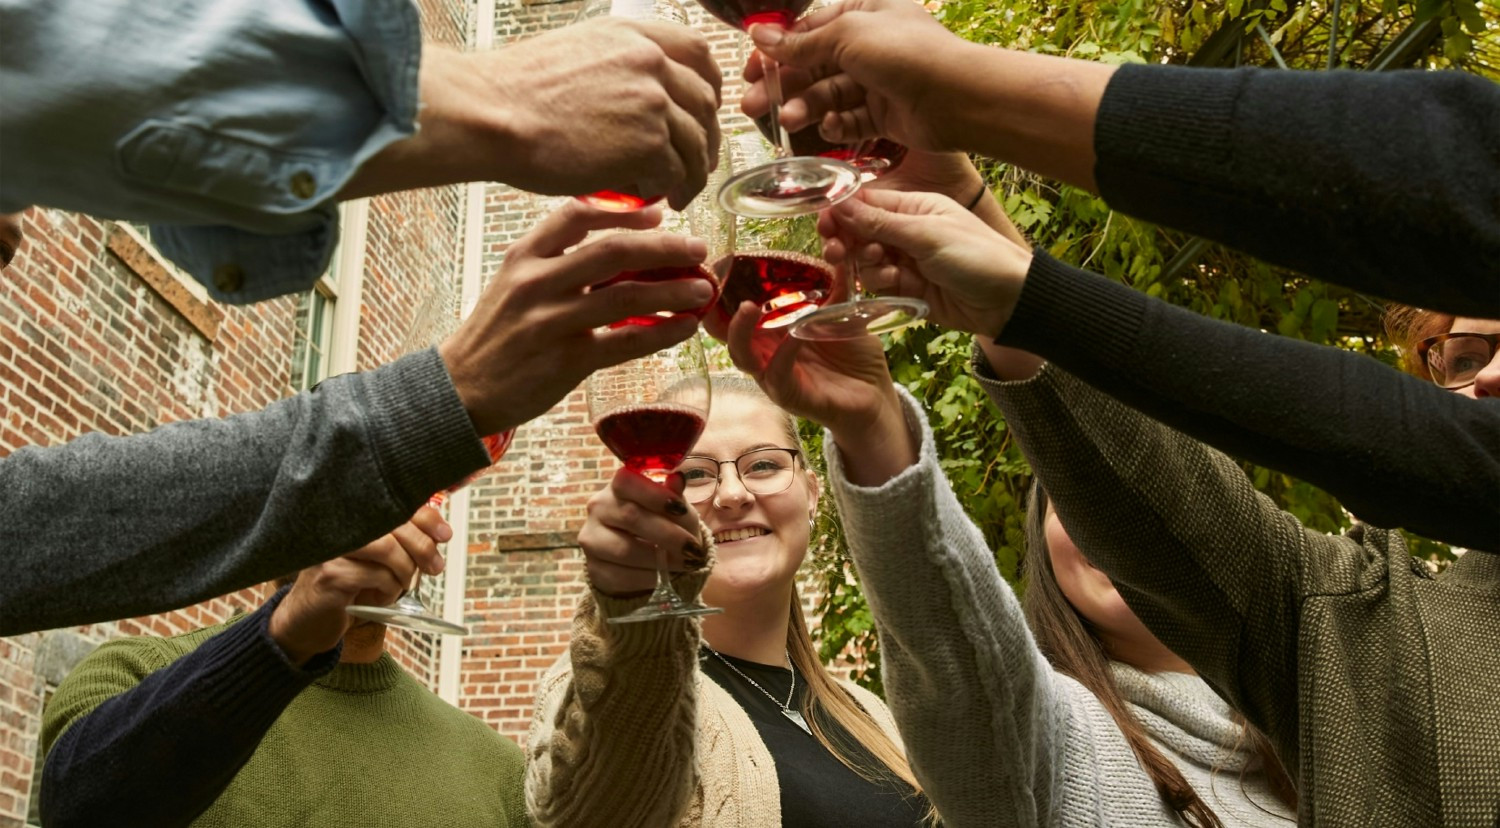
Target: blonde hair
x: 826, y: 702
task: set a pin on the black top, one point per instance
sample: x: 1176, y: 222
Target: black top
x: 1396, y: 450
x: 817, y: 790
x: 1386, y: 182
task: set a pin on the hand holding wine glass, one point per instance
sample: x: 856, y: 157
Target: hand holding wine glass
x: 649, y: 412
x: 312, y: 617
x: 880, y: 68
x: 538, y: 329
x: 630, y: 523
x: 929, y: 247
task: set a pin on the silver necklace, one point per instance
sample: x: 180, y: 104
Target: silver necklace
x: 786, y: 708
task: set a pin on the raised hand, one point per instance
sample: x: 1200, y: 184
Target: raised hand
x: 311, y: 617
x: 869, y: 68
x: 627, y: 521
x: 927, y: 246
x: 537, y: 330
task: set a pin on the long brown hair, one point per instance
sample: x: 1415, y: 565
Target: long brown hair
x: 1406, y: 326
x: 826, y: 701
x: 1073, y: 647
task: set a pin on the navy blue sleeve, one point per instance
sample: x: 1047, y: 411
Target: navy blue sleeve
x: 1384, y: 182
x: 161, y: 752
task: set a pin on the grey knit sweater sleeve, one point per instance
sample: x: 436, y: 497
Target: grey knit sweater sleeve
x: 983, y: 715
x: 113, y: 527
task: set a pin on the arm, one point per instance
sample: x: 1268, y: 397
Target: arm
x: 1365, y: 179
x: 1212, y: 567
x: 1385, y: 182
x: 948, y: 621
x: 129, y: 736
x: 247, y: 118
x: 1230, y: 386
x: 113, y: 527
x: 615, y: 732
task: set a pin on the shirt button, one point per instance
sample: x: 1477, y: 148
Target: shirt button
x: 304, y: 186
x: 229, y: 278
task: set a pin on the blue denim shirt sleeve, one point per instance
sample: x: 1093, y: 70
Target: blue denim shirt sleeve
x: 228, y: 127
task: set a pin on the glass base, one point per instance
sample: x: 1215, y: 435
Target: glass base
x: 408, y: 613
x: 789, y: 187
x: 665, y: 609
x: 851, y: 320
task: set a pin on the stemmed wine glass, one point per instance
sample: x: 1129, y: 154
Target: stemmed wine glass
x: 434, y: 320
x: 669, y: 11
x: 649, y: 412
x: 785, y: 284
x: 791, y: 184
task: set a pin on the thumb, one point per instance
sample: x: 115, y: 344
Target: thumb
x: 888, y: 218
x: 811, y: 48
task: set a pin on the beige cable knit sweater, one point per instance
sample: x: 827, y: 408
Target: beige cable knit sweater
x: 627, y: 732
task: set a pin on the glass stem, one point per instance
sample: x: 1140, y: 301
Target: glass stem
x: 772, y: 72
x: 664, y: 594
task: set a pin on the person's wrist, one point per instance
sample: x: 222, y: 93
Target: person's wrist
x: 283, y: 632
x: 878, y: 448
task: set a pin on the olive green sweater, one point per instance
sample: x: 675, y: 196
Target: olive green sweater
x: 1375, y: 680
x: 362, y: 745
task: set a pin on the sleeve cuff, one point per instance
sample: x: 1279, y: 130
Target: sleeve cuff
x: 1080, y: 320
x: 421, y: 432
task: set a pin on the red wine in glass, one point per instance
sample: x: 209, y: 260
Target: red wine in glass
x: 651, y: 438
x: 742, y: 14
x: 786, y: 285
x: 618, y: 202
x: 662, y: 274
x: 873, y: 158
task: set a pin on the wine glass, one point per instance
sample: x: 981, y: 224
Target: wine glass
x: 435, y: 319
x: 669, y: 11
x: 649, y: 412
x: 787, y: 285
x: 792, y: 183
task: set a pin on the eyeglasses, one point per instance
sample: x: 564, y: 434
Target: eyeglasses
x: 764, y: 471
x: 1455, y: 359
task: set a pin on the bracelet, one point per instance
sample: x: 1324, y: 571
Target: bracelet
x: 974, y: 202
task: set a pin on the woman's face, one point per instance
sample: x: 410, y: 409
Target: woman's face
x: 1095, y: 597
x: 761, y: 539
x: 1487, y: 382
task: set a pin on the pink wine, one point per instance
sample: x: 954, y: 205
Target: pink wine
x: 495, y: 445
x: 652, y: 437
x: 617, y: 202
x: 661, y: 274
x: 786, y: 285
x: 741, y: 14
x: 875, y: 158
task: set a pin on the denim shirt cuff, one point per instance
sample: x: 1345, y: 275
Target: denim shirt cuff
x: 239, y: 267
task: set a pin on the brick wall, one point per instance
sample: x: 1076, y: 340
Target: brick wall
x: 89, y: 341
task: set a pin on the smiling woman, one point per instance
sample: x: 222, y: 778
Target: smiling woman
x: 738, y: 724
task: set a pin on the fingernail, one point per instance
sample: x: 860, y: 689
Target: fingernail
x: 765, y: 35
x: 694, y: 554
x: 676, y: 507
x: 442, y: 533
x: 703, y: 290
x: 696, y: 247
x: 439, y: 565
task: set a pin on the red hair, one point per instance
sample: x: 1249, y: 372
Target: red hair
x: 1407, y: 326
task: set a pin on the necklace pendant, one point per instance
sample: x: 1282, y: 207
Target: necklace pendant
x: 796, y: 717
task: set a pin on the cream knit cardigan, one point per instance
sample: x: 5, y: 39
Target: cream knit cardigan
x: 628, y: 732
